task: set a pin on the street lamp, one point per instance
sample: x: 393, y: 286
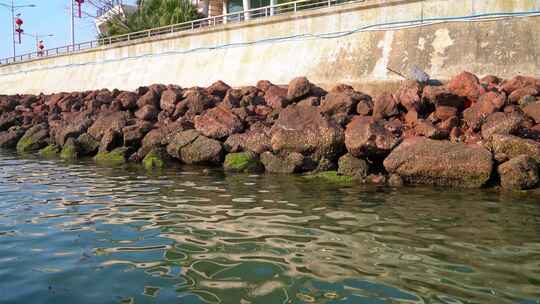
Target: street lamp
x: 13, y: 8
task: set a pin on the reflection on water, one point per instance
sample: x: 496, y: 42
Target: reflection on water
x: 77, y: 233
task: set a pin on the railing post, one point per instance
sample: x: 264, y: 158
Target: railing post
x: 329, y: 2
x: 294, y: 7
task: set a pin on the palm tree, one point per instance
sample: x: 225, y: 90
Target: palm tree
x: 153, y: 13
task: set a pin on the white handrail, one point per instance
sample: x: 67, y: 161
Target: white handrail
x: 260, y: 12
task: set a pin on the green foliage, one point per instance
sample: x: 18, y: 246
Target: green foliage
x: 152, y: 14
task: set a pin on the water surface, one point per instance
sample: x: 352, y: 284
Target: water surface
x: 80, y: 233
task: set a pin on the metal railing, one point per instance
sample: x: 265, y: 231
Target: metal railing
x: 256, y: 13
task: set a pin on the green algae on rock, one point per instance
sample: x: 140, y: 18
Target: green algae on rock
x: 116, y: 157
x: 49, y: 151
x: 331, y: 177
x: 154, y: 160
x: 34, y: 139
x: 70, y: 150
x: 242, y: 162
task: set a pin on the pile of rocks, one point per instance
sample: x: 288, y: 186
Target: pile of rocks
x: 469, y: 133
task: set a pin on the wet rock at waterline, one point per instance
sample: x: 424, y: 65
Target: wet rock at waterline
x: 469, y: 133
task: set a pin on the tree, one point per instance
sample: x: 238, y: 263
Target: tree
x: 150, y: 14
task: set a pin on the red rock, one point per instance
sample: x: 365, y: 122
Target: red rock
x: 342, y: 88
x: 108, y: 121
x: 111, y: 139
x: 169, y: 99
x: 218, y: 123
x: 128, y: 100
x: 334, y: 103
x: 276, y: 97
x: 366, y: 137
x: 533, y: 111
x: 298, y: 88
x: 263, y: 85
x: 196, y: 101
x: 411, y: 118
x: 476, y: 114
x: 519, y: 82
x: 518, y: 94
x: 445, y: 112
x: 305, y: 130
x: 449, y: 124
x: 309, y: 101
x: 466, y: 85
x: 427, y: 129
x: 408, y: 95
x: 147, y: 112
x: 219, y: 89
x: 501, y: 123
x: 425, y: 161
x: 151, y: 98
x: 456, y: 134
x: 385, y: 106
x: 490, y: 81
x: 364, y: 107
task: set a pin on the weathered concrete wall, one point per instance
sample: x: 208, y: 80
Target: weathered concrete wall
x: 503, y: 47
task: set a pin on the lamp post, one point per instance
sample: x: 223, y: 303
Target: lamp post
x: 13, y: 8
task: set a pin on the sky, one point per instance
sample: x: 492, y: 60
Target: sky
x: 48, y: 17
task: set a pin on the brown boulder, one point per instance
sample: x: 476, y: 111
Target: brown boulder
x: 276, y: 97
x: 196, y: 100
x: 533, y: 111
x: 258, y: 141
x: 408, y: 95
x: 517, y: 95
x: 169, y: 99
x: 298, y: 88
x: 501, y: 123
x: 513, y: 146
x: 151, y: 98
x: 385, y: 106
x: 489, y: 103
x: 9, y: 138
x: 282, y: 163
x: 305, y: 130
x: 108, y: 121
x: 147, y: 112
x: 218, y: 89
x: 519, y: 82
x: 128, y: 100
x: 519, y: 173
x: 218, y: 123
x: 366, y: 137
x: 466, y: 85
x: 193, y: 148
x: 427, y: 129
x: 334, y: 103
x: 424, y: 161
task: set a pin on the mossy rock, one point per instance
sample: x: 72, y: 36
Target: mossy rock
x: 70, y: 150
x: 154, y: 160
x: 331, y: 177
x: 34, y: 139
x: 114, y: 158
x: 49, y: 151
x: 242, y: 162
x: 28, y: 144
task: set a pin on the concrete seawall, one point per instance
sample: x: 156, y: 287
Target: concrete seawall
x: 330, y: 45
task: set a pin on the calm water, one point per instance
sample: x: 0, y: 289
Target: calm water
x: 79, y: 233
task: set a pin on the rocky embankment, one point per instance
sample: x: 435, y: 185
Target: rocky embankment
x: 469, y: 133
